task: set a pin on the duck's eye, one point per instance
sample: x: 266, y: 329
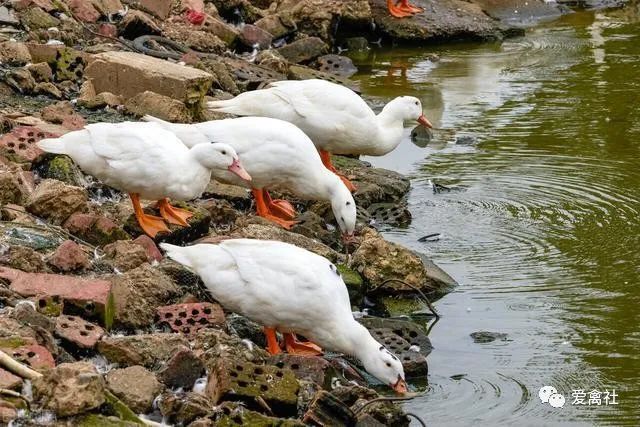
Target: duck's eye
x: 342, y: 218
x: 224, y: 152
x: 348, y: 203
x: 417, y: 102
x: 388, y: 364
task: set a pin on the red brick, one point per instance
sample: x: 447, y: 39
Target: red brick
x: 78, y: 331
x: 83, y: 10
x: 252, y: 36
x: 47, y: 5
x: 191, y: 317
x: 20, y: 143
x: 91, y: 295
x: 8, y: 380
x: 158, y: 8
x: 94, y: 229
x: 153, y: 253
x: 69, y: 256
x: 108, y: 30
x: 34, y: 356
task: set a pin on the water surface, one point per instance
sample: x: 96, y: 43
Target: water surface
x: 541, y: 227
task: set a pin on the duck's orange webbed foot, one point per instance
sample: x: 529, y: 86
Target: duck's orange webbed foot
x: 272, y: 341
x: 150, y: 224
x: 395, y: 11
x: 404, y: 6
x: 306, y: 348
x: 279, y: 207
x: 263, y: 211
x: 174, y: 215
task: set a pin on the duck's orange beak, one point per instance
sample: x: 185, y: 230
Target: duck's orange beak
x: 424, y: 121
x: 237, y: 168
x: 348, y: 238
x: 400, y: 386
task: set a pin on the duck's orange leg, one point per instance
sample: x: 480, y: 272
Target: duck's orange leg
x: 404, y: 6
x: 326, y: 161
x: 272, y: 340
x: 173, y: 215
x: 306, y: 348
x: 150, y: 224
x: 264, y: 211
x: 279, y: 207
x: 395, y: 11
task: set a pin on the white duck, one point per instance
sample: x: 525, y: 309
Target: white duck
x: 148, y: 162
x: 291, y: 290
x: 277, y: 155
x: 335, y: 118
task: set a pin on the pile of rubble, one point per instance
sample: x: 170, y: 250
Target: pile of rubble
x: 99, y: 328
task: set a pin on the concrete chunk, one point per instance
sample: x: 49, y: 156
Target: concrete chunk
x: 127, y: 74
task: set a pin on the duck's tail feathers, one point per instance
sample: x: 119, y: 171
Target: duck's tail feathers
x: 178, y: 254
x: 150, y: 118
x: 53, y: 145
x: 230, y: 106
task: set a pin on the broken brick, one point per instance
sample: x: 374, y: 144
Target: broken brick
x: 150, y: 247
x: 9, y: 381
x: 78, y: 331
x: 158, y: 8
x: 191, y: 317
x: 328, y: 410
x: 304, y: 367
x: 95, y: 229
x: 83, y: 10
x: 91, y: 297
x: 68, y: 257
x: 246, y: 382
x: 182, y: 370
x: 35, y: 356
x: 20, y: 143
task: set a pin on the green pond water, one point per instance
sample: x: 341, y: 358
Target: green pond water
x: 541, y: 228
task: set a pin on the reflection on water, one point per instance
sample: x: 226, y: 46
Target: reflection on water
x: 544, y: 236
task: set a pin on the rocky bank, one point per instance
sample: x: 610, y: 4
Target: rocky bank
x: 121, y: 335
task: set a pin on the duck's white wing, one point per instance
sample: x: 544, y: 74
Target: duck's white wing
x: 289, y: 286
x: 323, y: 105
x: 123, y: 143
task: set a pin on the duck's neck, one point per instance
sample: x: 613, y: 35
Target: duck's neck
x: 329, y: 183
x: 390, y: 129
x: 359, y: 343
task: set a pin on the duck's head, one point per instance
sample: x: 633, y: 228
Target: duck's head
x: 344, y: 209
x: 386, y: 367
x: 409, y: 108
x: 218, y: 155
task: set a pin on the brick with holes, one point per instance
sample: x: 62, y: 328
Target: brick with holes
x: 32, y: 355
x: 410, y: 331
x: 78, y: 331
x: 305, y: 368
x: 20, y: 144
x: 91, y: 297
x: 250, y: 383
x: 414, y: 363
x: 191, y: 317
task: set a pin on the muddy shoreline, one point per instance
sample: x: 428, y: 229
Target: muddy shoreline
x: 122, y: 335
